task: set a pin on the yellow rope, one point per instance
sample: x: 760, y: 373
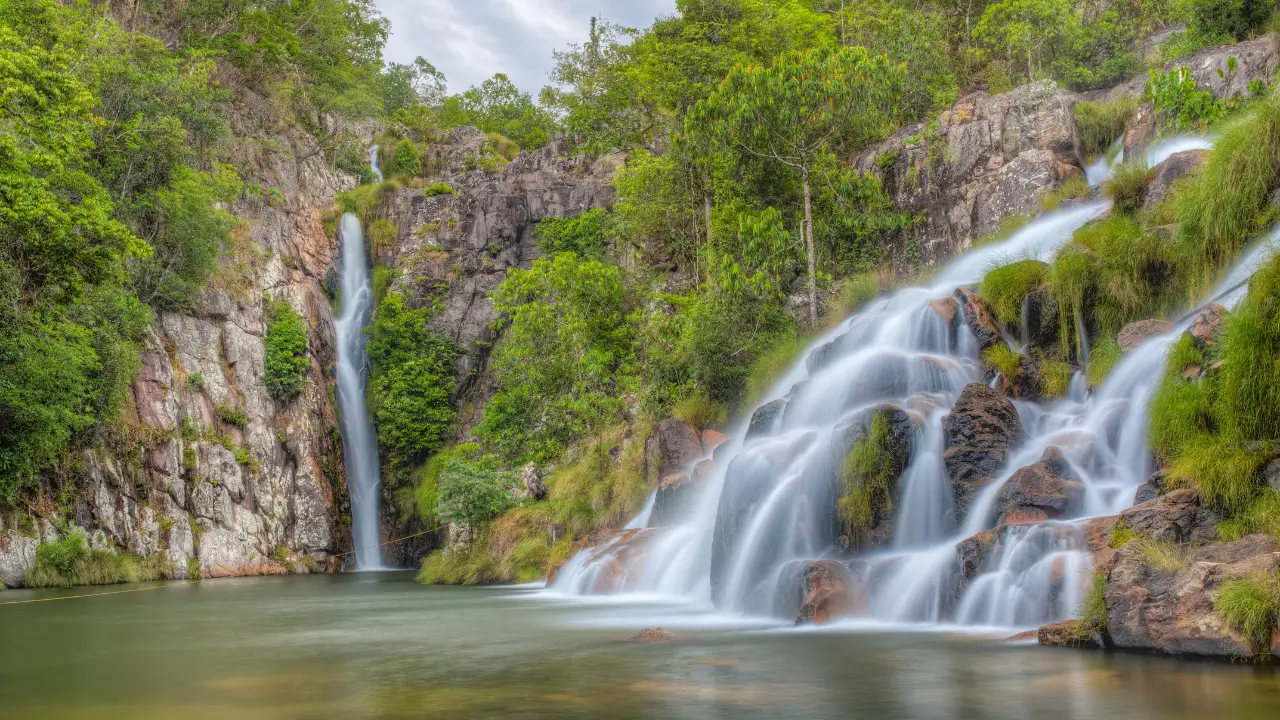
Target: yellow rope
x: 188, y: 582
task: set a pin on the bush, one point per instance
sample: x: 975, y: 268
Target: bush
x: 67, y: 562
x: 473, y: 489
x: 1005, y: 288
x: 286, y: 365
x: 233, y: 416
x: 1229, y: 19
x: 439, y: 188
x: 1101, y: 123
x: 1252, y: 607
x: 1179, y: 103
x: 406, y: 161
x: 585, y: 235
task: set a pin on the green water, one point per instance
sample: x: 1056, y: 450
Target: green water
x: 380, y: 646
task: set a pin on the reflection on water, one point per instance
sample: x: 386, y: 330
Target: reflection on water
x: 379, y: 646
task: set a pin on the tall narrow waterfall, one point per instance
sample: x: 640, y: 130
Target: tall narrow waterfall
x: 373, y: 163
x: 360, y: 445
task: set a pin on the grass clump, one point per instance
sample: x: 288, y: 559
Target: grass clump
x: 504, y: 146
x: 867, y: 477
x: 1101, y: 123
x: 1003, y: 359
x: 1251, y: 606
x: 439, y: 188
x: 1008, y: 227
x: 68, y: 561
x: 1055, y: 378
x: 1226, y: 473
x: 1248, y: 405
x: 1162, y: 555
x: 233, y: 416
x: 1070, y: 277
x: 700, y: 411
x: 852, y: 293
x: 382, y: 234
x: 773, y: 364
x: 1127, y: 187
x: 1121, y: 534
x: 1093, y: 607
x: 369, y: 202
x: 1005, y: 288
x: 1103, y: 358
x: 1076, y: 187
x: 473, y: 565
x: 1260, y: 516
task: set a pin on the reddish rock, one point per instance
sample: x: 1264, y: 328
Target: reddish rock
x: 672, y: 447
x: 832, y: 592
x: 946, y: 309
x: 1176, y: 517
x: 1025, y: 516
x: 649, y: 635
x: 1134, y: 334
x: 1204, y: 328
x: 1176, y: 167
x: 1047, y: 489
x: 711, y: 440
x: 619, y: 559
x: 1023, y: 636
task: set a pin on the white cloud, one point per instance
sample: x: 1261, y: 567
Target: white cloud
x: 470, y: 40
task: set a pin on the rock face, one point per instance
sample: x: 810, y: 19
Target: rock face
x: 1172, y: 612
x: 832, y: 592
x: 1176, y: 517
x: 215, y: 473
x: 897, y: 447
x: 1134, y: 334
x: 979, y: 320
x: 456, y: 249
x: 1204, y: 328
x: 1178, y: 166
x: 672, y: 447
x: 1047, y: 490
x: 765, y: 418
x: 980, y: 433
x: 992, y: 157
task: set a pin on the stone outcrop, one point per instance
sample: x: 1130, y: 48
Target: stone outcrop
x: 677, y: 493
x: 1150, y: 609
x: 765, y: 418
x: 1047, y: 490
x: 896, y: 452
x: 1176, y: 167
x: 1134, y: 334
x: 980, y: 434
x: 1206, y: 325
x: 980, y: 321
x: 831, y: 592
x: 673, y: 446
x: 992, y: 157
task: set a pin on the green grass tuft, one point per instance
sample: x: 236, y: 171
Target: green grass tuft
x: 1127, y: 187
x: 1260, y: 516
x: 1055, y: 378
x: 1076, y: 187
x: 1162, y: 555
x: 1252, y: 607
x: 852, y: 293
x: 1003, y: 359
x: 1101, y: 123
x: 1103, y: 358
x: 1005, y: 288
x: 700, y: 411
x: 1093, y: 607
x: 68, y: 562
x: 867, y: 477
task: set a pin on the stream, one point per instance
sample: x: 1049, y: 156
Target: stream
x: 378, y: 645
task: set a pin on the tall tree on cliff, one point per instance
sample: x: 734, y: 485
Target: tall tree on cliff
x: 804, y: 107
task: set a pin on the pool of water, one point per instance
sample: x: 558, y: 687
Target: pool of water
x: 377, y: 645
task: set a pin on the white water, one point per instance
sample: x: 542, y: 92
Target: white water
x: 359, y: 443
x: 1099, y: 171
x: 373, y: 163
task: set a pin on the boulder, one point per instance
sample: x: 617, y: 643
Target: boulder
x: 1271, y: 474
x: 1049, y: 489
x: 531, y: 480
x: 765, y: 419
x: 991, y: 157
x: 980, y: 321
x: 832, y: 592
x: 672, y: 447
x: 1204, y: 328
x: 820, y: 357
x: 1172, y: 612
x: 980, y: 434
x: 1176, y: 167
x: 1134, y: 334
x: 1042, y: 319
x: 617, y: 561
x: 971, y: 557
x: 653, y: 635
x: 1069, y: 633
x: 1175, y: 517
x: 1151, y: 489
x: 946, y: 309
x: 1255, y: 59
x: 676, y: 493
x: 712, y: 439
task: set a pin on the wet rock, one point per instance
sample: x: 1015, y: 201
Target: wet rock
x: 1134, y: 334
x: 1151, y: 489
x: 980, y: 320
x: 677, y: 493
x: 765, y: 418
x: 533, y: 487
x: 946, y: 309
x: 672, y: 447
x: 991, y: 157
x: 820, y: 357
x: 1175, y: 517
x: 898, y: 445
x: 1172, y: 612
x: 652, y: 635
x: 971, y: 556
x: 832, y: 592
x: 616, y: 562
x: 1049, y: 489
x: 712, y: 439
x: 1069, y: 633
x: 980, y: 433
x: 1206, y: 325
x: 1176, y: 167
x: 1042, y: 319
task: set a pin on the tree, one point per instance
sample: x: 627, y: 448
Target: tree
x: 800, y: 109
x: 497, y: 105
x: 1035, y: 29
x: 406, y: 160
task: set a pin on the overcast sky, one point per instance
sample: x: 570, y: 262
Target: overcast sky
x: 470, y: 40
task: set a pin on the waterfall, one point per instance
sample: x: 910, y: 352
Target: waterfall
x: 373, y: 163
x: 359, y: 442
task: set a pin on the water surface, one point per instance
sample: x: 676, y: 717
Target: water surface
x: 376, y: 645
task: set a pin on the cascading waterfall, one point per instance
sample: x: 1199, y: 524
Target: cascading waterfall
x: 373, y: 163
x: 767, y: 506
x: 360, y: 444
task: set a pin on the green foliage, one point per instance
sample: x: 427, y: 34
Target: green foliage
x: 233, y: 416
x: 1093, y: 608
x: 285, y: 374
x: 1074, y: 188
x: 406, y: 160
x: 1104, y: 356
x: 67, y: 562
x: 1260, y: 516
x: 1127, y: 187
x: 498, y: 106
x: 472, y: 565
x: 440, y: 188
x: 1121, y: 535
x: 852, y: 294
x: 700, y: 412
x: 585, y: 235
x: 1229, y: 19
x: 1005, y: 288
x: 383, y: 234
x: 473, y: 489
x: 1003, y: 359
x: 369, y: 202
x: 769, y: 367
x: 1247, y: 405
x: 1179, y: 104
x: 912, y: 35
x: 505, y: 147
x: 1055, y: 378
x: 1026, y: 33
x: 411, y: 382
x: 1251, y: 606
x: 867, y: 478
x: 560, y: 359
x: 1101, y: 123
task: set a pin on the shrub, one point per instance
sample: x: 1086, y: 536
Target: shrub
x: 1101, y: 123
x: 473, y: 489
x: 1127, y: 187
x: 1229, y: 19
x: 233, y: 416
x: 286, y: 357
x: 1252, y: 607
x: 196, y: 380
x: 1179, y: 103
x: 585, y: 235
x: 439, y: 188
x: 1005, y: 288
x: 406, y: 161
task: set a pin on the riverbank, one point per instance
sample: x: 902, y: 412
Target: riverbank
x: 376, y: 645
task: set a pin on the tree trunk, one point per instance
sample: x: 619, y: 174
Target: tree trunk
x: 808, y: 239
x: 706, y: 211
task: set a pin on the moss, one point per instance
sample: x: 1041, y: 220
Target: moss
x: 1251, y: 606
x: 867, y: 478
x: 1005, y: 288
x: 1003, y: 359
x: 1075, y: 187
x: 700, y: 411
x: 1101, y: 123
x: 439, y: 188
x: 1127, y: 187
x: 1103, y: 358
